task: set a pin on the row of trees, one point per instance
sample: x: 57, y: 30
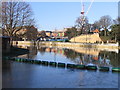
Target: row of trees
x: 17, y: 15
x: 106, y: 25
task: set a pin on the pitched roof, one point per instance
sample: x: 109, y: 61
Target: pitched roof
x: 96, y: 31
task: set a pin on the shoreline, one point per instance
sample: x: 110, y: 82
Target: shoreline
x: 68, y: 44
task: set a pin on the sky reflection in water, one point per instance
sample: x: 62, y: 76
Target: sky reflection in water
x: 75, y: 55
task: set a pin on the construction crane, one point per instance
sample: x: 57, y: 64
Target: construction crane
x: 83, y: 14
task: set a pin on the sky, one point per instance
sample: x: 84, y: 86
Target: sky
x: 59, y: 15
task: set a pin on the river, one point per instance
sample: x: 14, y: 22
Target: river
x: 24, y: 75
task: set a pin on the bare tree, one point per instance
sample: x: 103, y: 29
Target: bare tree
x: 27, y: 33
x: 96, y: 25
x: 104, y: 22
x: 15, y: 15
x: 82, y: 23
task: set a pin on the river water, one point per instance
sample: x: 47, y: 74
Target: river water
x: 24, y: 75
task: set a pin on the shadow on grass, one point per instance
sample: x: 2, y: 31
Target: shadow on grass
x: 15, y: 51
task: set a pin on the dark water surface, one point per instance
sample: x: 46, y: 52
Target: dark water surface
x: 25, y: 75
x: 22, y: 75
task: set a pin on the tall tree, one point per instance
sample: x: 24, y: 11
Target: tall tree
x: 82, y: 24
x: 115, y: 32
x: 27, y: 33
x: 105, y: 22
x: 15, y: 15
x: 96, y: 25
x: 71, y: 32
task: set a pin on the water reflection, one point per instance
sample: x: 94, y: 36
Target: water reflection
x: 24, y: 75
x: 75, y: 55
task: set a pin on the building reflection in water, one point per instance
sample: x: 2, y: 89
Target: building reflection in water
x: 77, y: 55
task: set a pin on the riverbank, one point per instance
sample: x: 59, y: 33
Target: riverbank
x: 68, y: 44
x: 15, y: 51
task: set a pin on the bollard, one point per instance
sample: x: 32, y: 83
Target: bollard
x: 28, y: 60
x: 44, y: 62
x: 37, y: 62
x: 80, y: 66
x: 17, y: 59
x: 13, y: 59
x: 89, y: 67
x: 70, y: 65
x: 20, y: 59
x: 53, y: 64
x: 61, y: 64
x: 23, y: 60
x: 115, y: 69
x: 104, y: 68
x: 32, y: 61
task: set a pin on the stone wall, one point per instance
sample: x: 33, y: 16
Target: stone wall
x: 26, y: 43
x: 67, y: 44
x: 89, y: 38
x: 75, y: 45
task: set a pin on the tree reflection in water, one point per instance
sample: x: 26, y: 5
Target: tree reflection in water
x: 84, y: 56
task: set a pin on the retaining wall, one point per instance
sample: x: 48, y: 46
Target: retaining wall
x: 67, y: 44
x: 64, y: 44
x: 87, y: 38
x: 26, y: 43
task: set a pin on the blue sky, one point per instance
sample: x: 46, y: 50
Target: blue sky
x: 59, y: 15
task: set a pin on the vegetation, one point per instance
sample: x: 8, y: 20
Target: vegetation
x: 105, y: 38
x: 115, y: 32
x: 104, y: 23
x: 15, y: 16
x: 82, y: 24
x: 71, y: 32
x: 109, y: 28
x: 42, y: 34
x: 27, y: 33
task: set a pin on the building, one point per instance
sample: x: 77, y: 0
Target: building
x: 44, y: 35
x: 48, y: 33
x: 54, y: 34
x: 59, y: 34
x: 96, y: 31
x: 28, y: 33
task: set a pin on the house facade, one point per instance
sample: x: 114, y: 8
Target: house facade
x: 28, y: 33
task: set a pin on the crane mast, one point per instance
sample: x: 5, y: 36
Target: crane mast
x: 83, y: 18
